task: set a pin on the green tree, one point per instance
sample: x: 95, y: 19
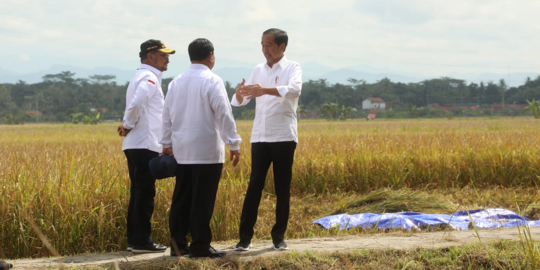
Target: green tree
x: 413, y: 111
x: 345, y: 112
x: 6, y: 104
x: 329, y: 110
x: 503, y: 87
x: 534, y: 108
x: 300, y: 111
x: 102, y: 79
x: 76, y: 117
x: 360, y: 87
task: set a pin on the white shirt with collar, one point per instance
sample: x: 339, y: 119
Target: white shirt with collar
x: 144, y: 106
x: 198, y: 119
x: 275, y: 117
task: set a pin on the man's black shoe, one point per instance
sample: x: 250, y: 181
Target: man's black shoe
x: 150, y: 247
x: 211, y: 253
x: 183, y: 251
x: 5, y: 265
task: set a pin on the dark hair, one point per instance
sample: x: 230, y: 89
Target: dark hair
x: 200, y: 49
x: 280, y: 36
x: 145, y: 55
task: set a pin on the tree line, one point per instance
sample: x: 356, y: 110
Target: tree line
x: 60, y: 97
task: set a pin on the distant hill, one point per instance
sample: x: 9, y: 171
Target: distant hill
x: 235, y: 71
x: 122, y: 76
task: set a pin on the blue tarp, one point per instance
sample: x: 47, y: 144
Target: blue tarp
x: 482, y: 219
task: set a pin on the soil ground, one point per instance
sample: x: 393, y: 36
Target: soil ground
x: 263, y: 248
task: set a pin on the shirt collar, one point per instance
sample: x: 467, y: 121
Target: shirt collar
x: 199, y: 66
x: 283, y: 63
x: 151, y: 68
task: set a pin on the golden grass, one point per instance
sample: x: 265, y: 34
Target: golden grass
x: 393, y: 201
x: 72, y: 180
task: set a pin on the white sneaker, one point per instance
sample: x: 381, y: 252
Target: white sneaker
x: 280, y: 246
x: 242, y: 247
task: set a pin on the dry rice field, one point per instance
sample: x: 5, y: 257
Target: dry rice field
x: 71, y: 181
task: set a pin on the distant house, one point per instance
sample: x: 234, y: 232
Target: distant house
x: 94, y: 110
x: 373, y: 103
x: 311, y: 114
x: 36, y: 113
x: 517, y: 107
x: 455, y: 107
x: 463, y: 106
x: 436, y: 106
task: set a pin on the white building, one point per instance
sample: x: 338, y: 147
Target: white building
x: 373, y: 103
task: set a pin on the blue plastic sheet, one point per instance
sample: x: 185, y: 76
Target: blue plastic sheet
x: 482, y: 219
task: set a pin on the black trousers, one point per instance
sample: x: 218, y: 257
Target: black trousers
x: 142, y: 193
x: 281, y: 154
x: 193, y: 205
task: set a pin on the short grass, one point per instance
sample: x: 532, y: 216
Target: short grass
x: 72, y: 181
x: 510, y: 255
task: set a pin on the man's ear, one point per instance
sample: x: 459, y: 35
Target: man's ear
x: 282, y: 47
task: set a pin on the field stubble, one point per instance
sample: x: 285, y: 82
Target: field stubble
x: 72, y: 180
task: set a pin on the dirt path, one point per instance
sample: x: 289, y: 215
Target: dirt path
x: 262, y: 248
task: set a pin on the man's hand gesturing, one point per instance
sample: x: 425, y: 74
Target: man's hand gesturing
x: 254, y: 91
x: 240, y: 93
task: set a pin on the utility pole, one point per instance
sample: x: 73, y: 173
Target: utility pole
x: 427, y: 92
x: 37, y: 109
x: 502, y: 85
x: 503, y: 99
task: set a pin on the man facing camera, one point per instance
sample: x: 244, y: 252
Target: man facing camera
x: 141, y: 129
x: 276, y: 86
x: 197, y: 124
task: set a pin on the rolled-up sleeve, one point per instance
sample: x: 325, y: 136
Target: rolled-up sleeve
x: 293, y: 89
x: 235, y: 102
x: 143, y: 92
x: 223, y: 114
x: 245, y: 100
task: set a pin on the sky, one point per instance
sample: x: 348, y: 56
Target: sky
x: 429, y: 37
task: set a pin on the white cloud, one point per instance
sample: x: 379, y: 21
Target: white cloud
x: 24, y: 57
x: 432, y: 37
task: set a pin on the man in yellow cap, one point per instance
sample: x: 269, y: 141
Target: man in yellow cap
x: 141, y: 129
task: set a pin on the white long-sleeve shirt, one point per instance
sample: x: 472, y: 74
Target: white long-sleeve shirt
x: 144, y: 106
x: 198, y: 119
x: 275, y: 117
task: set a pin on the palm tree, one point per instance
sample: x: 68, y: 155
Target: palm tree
x: 329, y: 110
x: 300, y: 111
x: 502, y: 85
x: 534, y: 108
x: 346, y: 112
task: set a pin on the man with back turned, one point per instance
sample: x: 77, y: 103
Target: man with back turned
x: 197, y: 124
